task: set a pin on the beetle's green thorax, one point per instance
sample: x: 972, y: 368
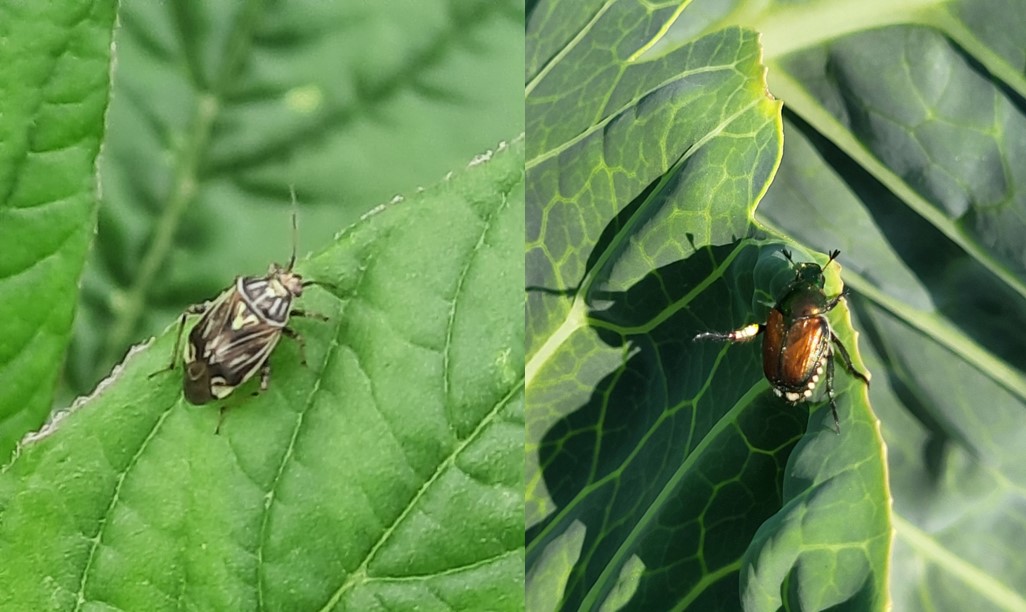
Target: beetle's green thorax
x: 802, y: 301
x: 804, y: 297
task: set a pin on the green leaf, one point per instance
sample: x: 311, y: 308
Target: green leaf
x: 903, y: 132
x: 218, y: 107
x: 904, y: 140
x: 55, y: 68
x: 662, y: 473
x: 388, y: 472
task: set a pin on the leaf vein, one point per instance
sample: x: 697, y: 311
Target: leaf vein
x: 360, y: 574
x: 97, y: 539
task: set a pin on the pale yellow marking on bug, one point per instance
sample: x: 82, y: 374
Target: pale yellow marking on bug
x: 213, y: 344
x: 243, y: 317
x: 220, y: 388
x: 277, y: 289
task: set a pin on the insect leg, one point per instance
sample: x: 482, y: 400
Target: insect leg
x: 220, y: 419
x: 194, y: 309
x: 265, y: 377
x: 291, y: 333
x: 746, y: 333
x: 836, y: 300
x: 830, y: 390
x: 847, y: 359
x: 298, y: 312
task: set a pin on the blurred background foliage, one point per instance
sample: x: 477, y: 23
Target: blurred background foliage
x: 217, y: 108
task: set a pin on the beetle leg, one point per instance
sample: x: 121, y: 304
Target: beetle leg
x: 297, y: 312
x: 178, y: 341
x: 847, y: 359
x: 830, y: 391
x: 265, y: 377
x: 220, y: 420
x: 194, y: 309
x: 836, y: 300
x: 291, y: 333
x: 746, y: 333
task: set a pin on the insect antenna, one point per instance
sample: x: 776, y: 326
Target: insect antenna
x: 295, y: 228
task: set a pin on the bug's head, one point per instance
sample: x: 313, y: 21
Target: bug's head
x: 811, y: 272
x: 292, y: 282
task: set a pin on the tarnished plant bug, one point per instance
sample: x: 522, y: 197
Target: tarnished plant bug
x: 798, y: 342
x: 238, y: 330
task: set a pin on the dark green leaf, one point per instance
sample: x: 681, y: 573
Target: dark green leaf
x: 904, y: 137
x: 904, y: 146
x: 219, y: 107
x: 662, y: 474
x: 55, y: 70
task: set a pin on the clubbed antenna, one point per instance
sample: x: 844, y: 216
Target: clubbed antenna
x: 295, y: 228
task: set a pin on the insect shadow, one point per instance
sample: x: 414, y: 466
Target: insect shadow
x: 606, y: 461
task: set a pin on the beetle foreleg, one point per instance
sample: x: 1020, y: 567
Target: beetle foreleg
x: 830, y: 392
x: 296, y: 312
x: 847, y: 359
x: 220, y: 420
x: 746, y: 333
x: 836, y: 300
x: 178, y: 342
x: 265, y: 377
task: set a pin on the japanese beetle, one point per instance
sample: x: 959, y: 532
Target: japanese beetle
x: 798, y: 344
x: 238, y: 330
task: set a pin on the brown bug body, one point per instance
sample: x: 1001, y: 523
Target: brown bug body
x: 237, y: 332
x: 798, y: 345
x: 792, y: 354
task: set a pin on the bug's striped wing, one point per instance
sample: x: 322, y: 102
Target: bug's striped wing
x: 232, y: 341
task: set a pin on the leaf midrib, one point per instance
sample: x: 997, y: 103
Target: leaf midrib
x: 96, y: 540
x: 360, y: 574
x: 184, y: 188
x: 979, y: 580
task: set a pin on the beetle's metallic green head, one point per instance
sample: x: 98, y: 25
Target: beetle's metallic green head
x: 811, y: 273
